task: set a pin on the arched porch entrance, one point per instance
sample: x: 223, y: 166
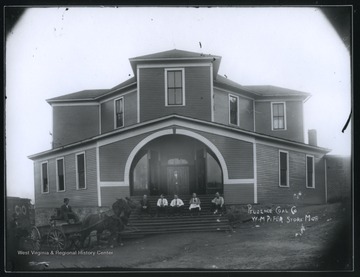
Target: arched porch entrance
x: 175, y: 164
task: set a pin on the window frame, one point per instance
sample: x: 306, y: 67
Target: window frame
x: 57, y: 174
x: 238, y: 110
x: 287, y: 169
x: 272, y: 117
x: 166, y: 70
x: 115, y: 114
x: 313, y: 171
x: 47, y: 177
x: 77, y: 171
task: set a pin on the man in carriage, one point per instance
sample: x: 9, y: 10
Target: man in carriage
x: 66, y: 212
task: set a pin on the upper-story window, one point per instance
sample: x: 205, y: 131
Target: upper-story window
x: 233, y: 109
x: 60, y: 174
x: 80, y: 171
x: 44, y: 178
x: 283, y: 168
x: 174, y: 87
x: 119, y: 112
x: 278, y: 112
x: 310, y: 172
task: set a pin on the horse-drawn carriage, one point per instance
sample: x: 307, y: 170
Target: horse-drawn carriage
x: 60, y: 234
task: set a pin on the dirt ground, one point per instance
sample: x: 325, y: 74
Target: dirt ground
x: 320, y: 242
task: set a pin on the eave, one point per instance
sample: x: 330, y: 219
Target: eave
x: 173, y: 119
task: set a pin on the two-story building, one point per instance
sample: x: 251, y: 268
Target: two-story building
x: 179, y: 127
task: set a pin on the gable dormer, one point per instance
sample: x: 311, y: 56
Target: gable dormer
x: 175, y: 82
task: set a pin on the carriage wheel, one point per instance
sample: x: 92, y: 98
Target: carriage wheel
x: 56, y: 239
x: 35, y: 238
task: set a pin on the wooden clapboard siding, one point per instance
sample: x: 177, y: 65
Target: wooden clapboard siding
x: 221, y: 110
x: 221, y: 107
x: 294, y: 120
x: 78, y: 198
x: 338, y: 177
x: 74, y: 123
x: 110, y: 194
x: 113, y: 158
x: 107, y: 116
x: 197, y: 94
x: 239, y: 193
x: 238, y: 155
x: 268, y: 177
x: 130, y: 112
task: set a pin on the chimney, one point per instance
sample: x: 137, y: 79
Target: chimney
x: 312, y: 137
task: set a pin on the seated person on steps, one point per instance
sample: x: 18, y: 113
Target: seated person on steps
x: 145, y: 205
x: 194, y: 204
x: 217, y: 204
x: 176, y: 205
x: 66, y: 212
x: 162, y: 205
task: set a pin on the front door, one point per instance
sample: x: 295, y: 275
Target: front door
x: 178, y: 180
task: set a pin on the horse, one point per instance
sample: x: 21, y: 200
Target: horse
x: 115, y: 221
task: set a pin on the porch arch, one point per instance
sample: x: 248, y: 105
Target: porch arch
x: 184, y: 132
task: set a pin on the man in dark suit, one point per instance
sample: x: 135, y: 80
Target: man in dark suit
x: 66, y: 211
x: 145, y: 205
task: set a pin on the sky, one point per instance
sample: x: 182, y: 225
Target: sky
x: 56, y: 51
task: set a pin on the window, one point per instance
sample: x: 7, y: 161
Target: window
x: 310, y: 172
x: 119, y: 112
x: 234, y: 110
x: 283, y: 169
x: 174, y: 82
x: 60, y: 175
x: 80, y: 171
x: 44, y: 178
x: 278, y: 112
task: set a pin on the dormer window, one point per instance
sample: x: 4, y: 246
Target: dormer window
x: 119, y: 112
x: 174, y: 87
x: 278, y: 115
x: 233, y: 110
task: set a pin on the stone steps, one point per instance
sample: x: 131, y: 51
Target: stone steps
x: 140, y: 224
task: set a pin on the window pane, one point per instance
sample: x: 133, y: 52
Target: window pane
x: 80, y: 161
x: 119, y: 105
x: 283, y: 169
x: 60, y: 167
x: 178, y: 80
x: 171, y: 96
x: 280, y: 109
x: 275, y: 110
x: 283, y: 180
x: 281, y: 123
x: 276, y: 123
x: 178, y: 96
x: 310, y: 161
x: 81, y: 170
x: 60, y: 171
x: 81, y: 180
x: 233, y: 110
x: 45, y: 178
x: 119, y: 120
x: 283, y: 160
x: 171, y: 79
